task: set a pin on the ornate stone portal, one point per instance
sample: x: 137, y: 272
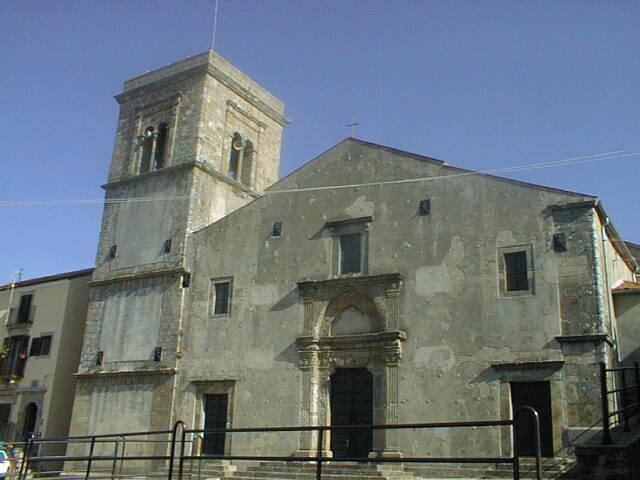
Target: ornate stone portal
x: 350, y: 323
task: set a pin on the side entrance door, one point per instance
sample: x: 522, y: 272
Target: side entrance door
x: 538, y: 396
x: 351, y: 404
x: 215, y: 416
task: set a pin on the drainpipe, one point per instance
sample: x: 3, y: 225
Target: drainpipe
x: 599, y: 290
x: 612, y: 321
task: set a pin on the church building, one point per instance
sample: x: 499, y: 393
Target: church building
x: 370, y: 286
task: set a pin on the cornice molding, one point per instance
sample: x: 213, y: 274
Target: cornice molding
x: 137, y: 276
x: 598, y: 338
x: 126, y: 373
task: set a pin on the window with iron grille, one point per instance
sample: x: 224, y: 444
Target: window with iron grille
x: 516, y: 271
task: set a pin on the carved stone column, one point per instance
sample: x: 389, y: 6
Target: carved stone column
x: 393, y: 306
x: 309, y: 409
x: 324, y: 401
x: 393, y: 354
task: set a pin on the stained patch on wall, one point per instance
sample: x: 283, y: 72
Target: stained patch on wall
x: 440, y: 358
x: 360, y: 208
x: 443, y: 278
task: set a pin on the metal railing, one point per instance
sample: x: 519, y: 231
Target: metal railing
x: 624, y: 396
x: 107, y: 448
x: 180, y: 437
x: 8, y: 432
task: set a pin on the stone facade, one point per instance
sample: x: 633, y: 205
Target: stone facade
x: 448, y: 291
x: 170, y: 176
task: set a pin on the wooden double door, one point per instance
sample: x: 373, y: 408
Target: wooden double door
x: 215, y: 416
x: 351, y: 404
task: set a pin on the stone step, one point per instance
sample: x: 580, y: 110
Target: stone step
x: 527, y: 470
x: 309, y: 473
x: 332, y: 465
x: 309, y: 476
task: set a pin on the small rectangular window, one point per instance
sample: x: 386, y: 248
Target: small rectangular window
x: 35, y: 347
x: 24, y: 312
x: 560, y: 242
x: 222, y: 292
x: 276, y: 230
x: 45, y: 344
x: 515, y: 266
x: 350, y: 253
x: 425, y: 207
x: 40, y: 346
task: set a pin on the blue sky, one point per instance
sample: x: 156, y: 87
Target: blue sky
x: 480, y: 84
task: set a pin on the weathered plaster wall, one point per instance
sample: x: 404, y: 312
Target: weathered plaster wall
x: 459, y: 325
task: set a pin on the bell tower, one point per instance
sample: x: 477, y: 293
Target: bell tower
x: 195, y: 140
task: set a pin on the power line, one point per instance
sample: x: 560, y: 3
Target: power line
x: 598, y: 157
x: 557, y: 163
x: 92, y: 202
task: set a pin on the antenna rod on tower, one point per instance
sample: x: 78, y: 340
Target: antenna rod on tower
x: 215, y: 23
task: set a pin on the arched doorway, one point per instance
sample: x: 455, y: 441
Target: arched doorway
x: 30, y: 417
x: 350, y: 355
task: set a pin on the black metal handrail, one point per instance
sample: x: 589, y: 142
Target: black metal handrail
x: 624, y: 405
x: 177, y: 440
x: 31, y: 443
x: 319, y: 458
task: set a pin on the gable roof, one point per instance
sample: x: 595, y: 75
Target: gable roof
x: 448, y: 171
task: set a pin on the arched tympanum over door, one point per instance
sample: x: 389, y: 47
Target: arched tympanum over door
x: 350, y: 324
